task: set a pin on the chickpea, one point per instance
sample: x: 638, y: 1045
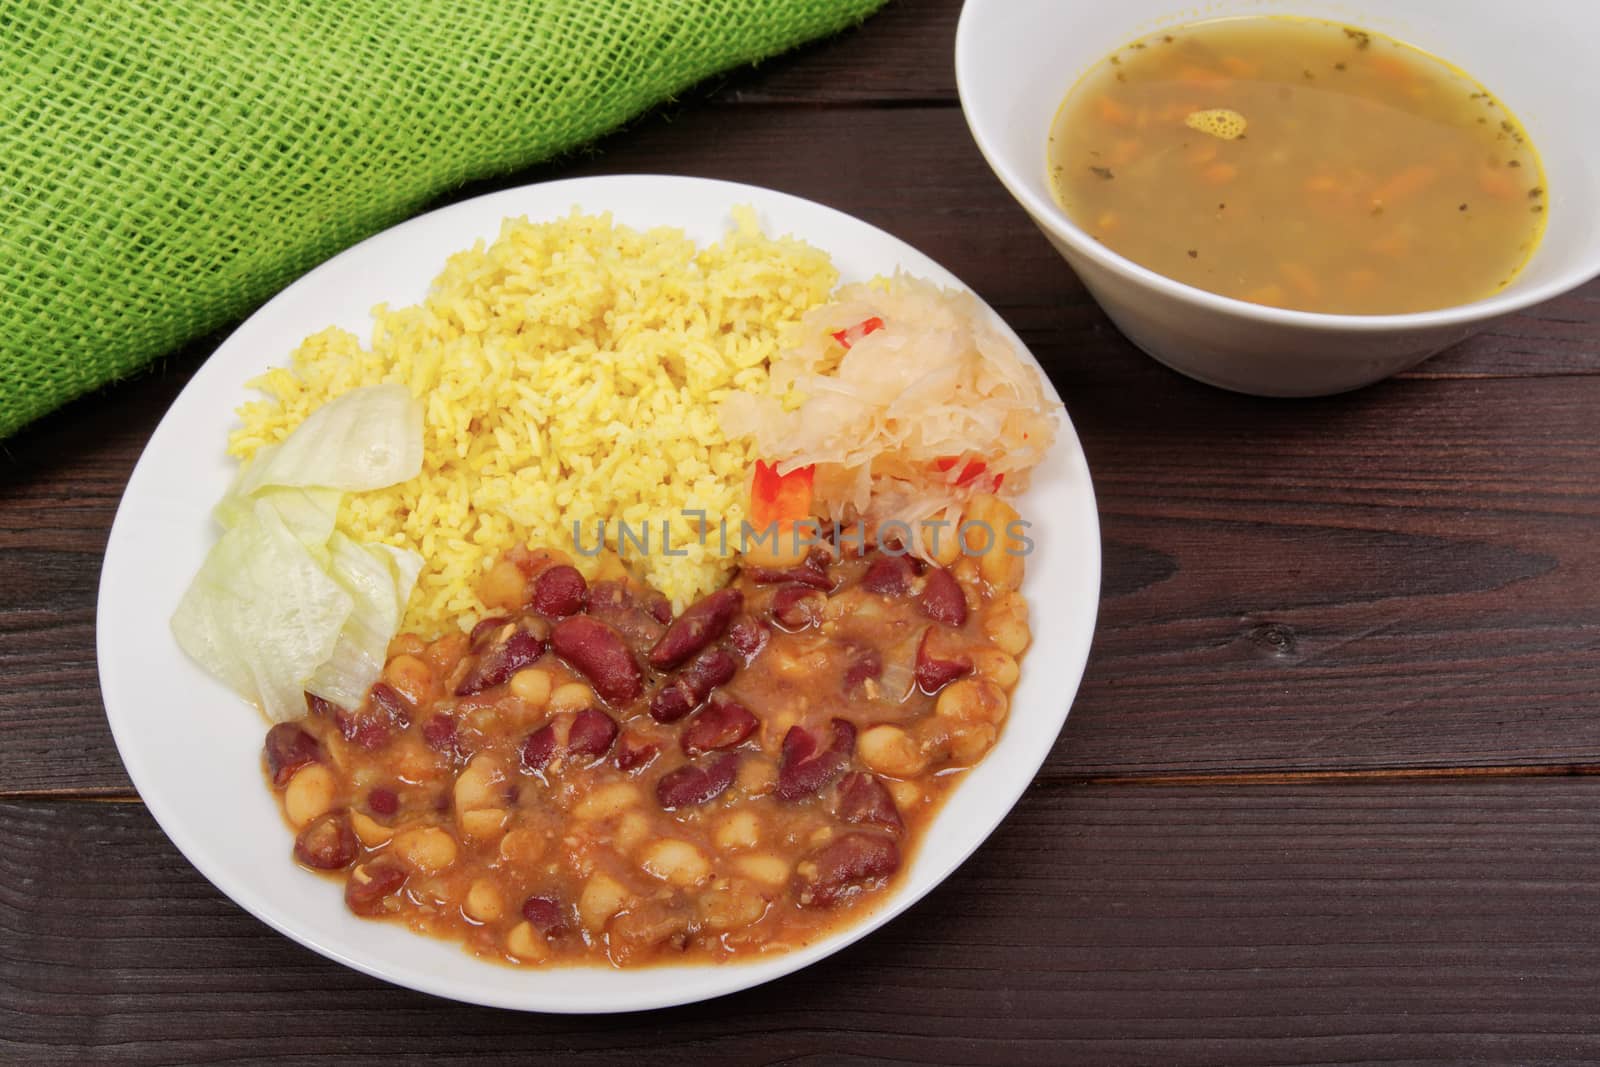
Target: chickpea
x: 997, y: 666
x: 609, y: 567
x: 785, y: 548
x: 890, y: 750
x: 371, y: 832
x: 571, y: 696
x: 971, y: 700
x: 763, y: 867
x: 309, y: 793
x: 907, y: 795
x: 428, y: 848
x: 632, y: 829
x: 406, y: 645
x: 542, y: 559
x: 446, y: 652
x: 482, y: 824
x: 1001, y: 565
x: 484, y: 903
x: 1006, y: 623
x: 735, y: 906
x: 522, y: 847
x: 738, y: 829
x: 609, y: 800
x: 602, y: 897
x: 527, y: 944
x: 970, y: 742
x: 677, y: 862
x: 411, y: 759
x: 479, y: 785
x: 503, y: 586
x: 757, y: 776
x: 413, y: 678
x: 532, y: 685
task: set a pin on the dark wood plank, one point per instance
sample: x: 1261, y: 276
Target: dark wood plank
x: 1427, y: 544
x: 1439, y: 922
x: 903, y: 54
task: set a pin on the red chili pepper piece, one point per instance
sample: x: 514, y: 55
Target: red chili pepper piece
x: 778, y: 497
x: 855, y: 333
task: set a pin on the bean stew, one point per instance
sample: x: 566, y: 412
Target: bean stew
x: 587, y: 778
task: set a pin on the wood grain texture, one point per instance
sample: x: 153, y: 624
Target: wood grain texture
x: 1442, y: 922
x: 1426, y: 545
x: 1381, y: 611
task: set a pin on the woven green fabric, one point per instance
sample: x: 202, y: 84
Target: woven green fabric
x: 165, y: 165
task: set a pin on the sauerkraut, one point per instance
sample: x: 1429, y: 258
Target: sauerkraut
x: 906, y: 399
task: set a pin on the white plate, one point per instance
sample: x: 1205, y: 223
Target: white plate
x: 193, y: 749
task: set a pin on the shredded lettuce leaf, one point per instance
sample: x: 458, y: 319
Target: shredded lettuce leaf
x: 367, y: 438
x: 262, y: 614
x: 379, y: 579
x: 309, y: 513
x: 284, y: 604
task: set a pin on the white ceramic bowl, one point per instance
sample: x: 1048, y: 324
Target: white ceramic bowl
x: 193, y: 749
x: 1016, y: 60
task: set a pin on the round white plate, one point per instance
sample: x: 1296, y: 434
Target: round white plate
x: 193, y: 748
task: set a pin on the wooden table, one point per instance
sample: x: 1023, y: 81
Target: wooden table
x: 1325, y: 794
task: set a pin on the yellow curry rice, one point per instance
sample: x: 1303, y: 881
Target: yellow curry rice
x: 569, y: 372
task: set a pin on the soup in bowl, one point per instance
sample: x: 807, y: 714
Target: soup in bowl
x: 1286, y: 206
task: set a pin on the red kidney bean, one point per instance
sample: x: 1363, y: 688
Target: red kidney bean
x: 797, y: 607
x: 888, y: 576
x: 711, y: 668
x: 370, y: 883
x: 327, y: 842
x: 559, y: 592
x: 502, y: 659
x: 722, y: 723
x: 701, y: 623
x: 288, y: 748
x: 540, y: 747
x: 696, y: 783
x: 748, y: 635
x: 660, y: 608
x: 597, y: 651
x: 671, y: 702
x: 863, y: 798
x: 315, y: 705
x: 591, y: 734
x: 614, y: 604
x: 545, y: 915
x: 812, y: 571
x: 485, y: 628
x: 439, y: 733
x: 865, y: 662
x: 934, y: 672
x: 367, y: 728
x: 634, y: 752
x: 942, y: 599
x: 382, y: 801
x: 844, y: 863
x: 387, y: 699
x: 802, y: 769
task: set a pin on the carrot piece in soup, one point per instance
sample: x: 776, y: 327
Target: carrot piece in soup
x: 1111, y: 112
x: 1410, y: 181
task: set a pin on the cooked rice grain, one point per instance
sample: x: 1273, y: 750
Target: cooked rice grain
x: 570, y: 372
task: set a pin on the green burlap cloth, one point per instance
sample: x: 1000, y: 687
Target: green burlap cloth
x: 165, y: 165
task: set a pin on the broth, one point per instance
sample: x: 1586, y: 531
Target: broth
x: 1301, y: 164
